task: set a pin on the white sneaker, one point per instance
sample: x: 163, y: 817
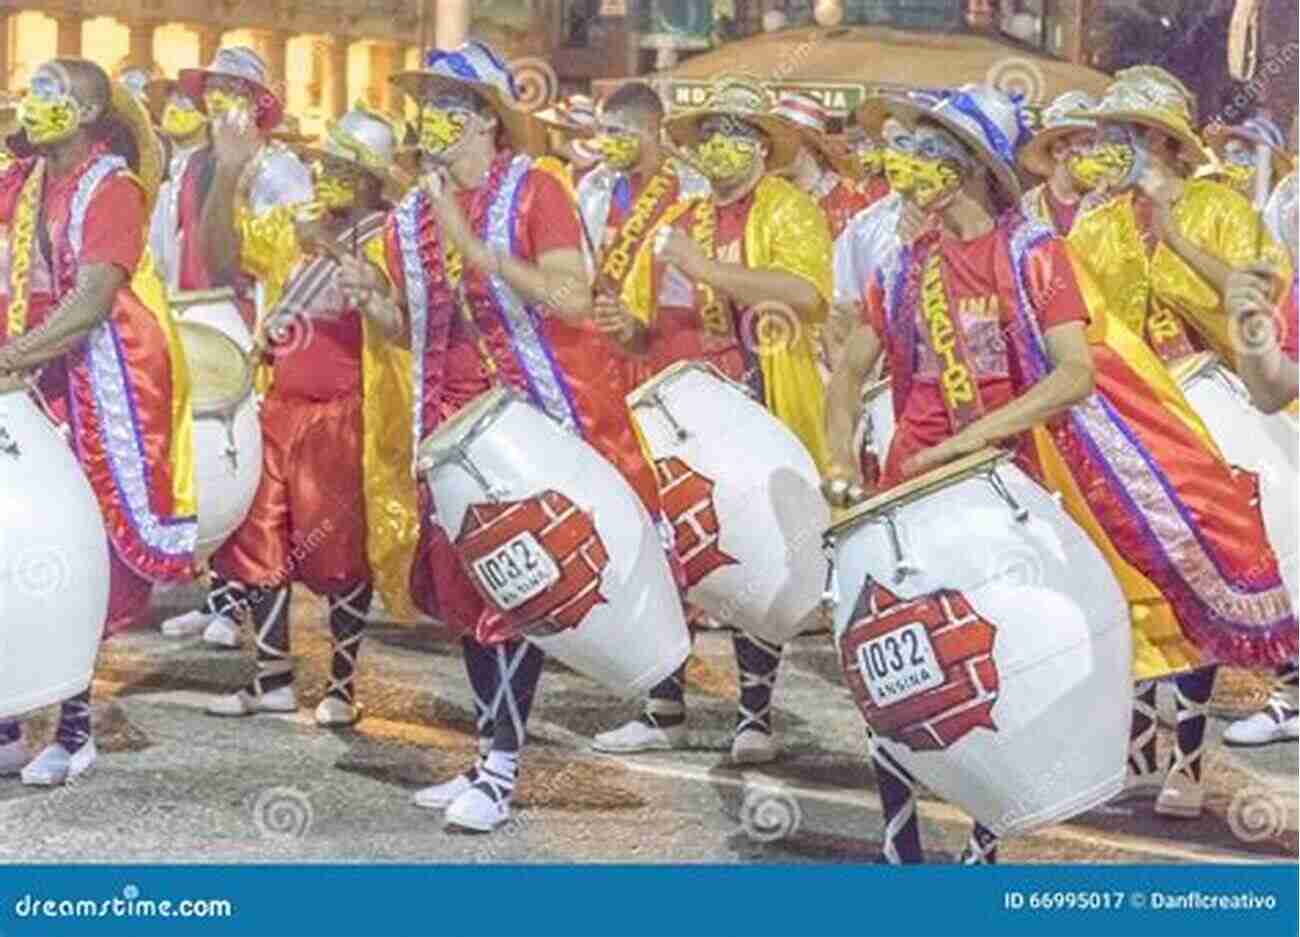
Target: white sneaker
x: 1181, y: 797
x: 334, y: 712
x: 752, y: 747
x: 14, y: 756
x: 476, y: 809
x: 222, y: 632
x: 640, y: 736
x: 56, y: 765
x: 187, y: 625
x: 247, y: 703
x: 1276, y: 722
x: 439, y: 796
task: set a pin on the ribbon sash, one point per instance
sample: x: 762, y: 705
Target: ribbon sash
x: 957, y: 383
x: 20, y: 256
x: 649, y: 208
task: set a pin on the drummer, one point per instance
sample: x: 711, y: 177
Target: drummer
x: 1188, y: 235
x: 92, y: 335
x: 315, y: 416
x: 196, y: 249
x: 530, y: 271
x: 569, y: 125
x: 1047, y: 155
x: 1235, y: 147
x: 752, y: 270
x: 1028, y: 350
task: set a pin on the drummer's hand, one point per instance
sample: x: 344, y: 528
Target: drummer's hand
x: 610, y: 317
x: 235, y: 140
x: 684, y: 254
x: 843, y: 487
x: 451, y: 220
x: 1250, y: 291
x: 912, y: 222
x: 942, y: 454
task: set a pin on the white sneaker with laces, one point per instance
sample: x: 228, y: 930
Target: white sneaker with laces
x: 56, y: 765
x: 246, y: 703
x: 334, y: 712
x: 222, y: 631
x: 640, y: 736
x: 480, y: 808
x: 14, y: 756
x: 1276, y: 722
x: 187, y: 625
x: 439, y: 796
x: 752, y: 747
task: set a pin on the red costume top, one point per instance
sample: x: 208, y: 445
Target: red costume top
x: 841, y: 198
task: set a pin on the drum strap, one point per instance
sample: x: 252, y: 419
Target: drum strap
x: 24, y: 230
x: 659, y: 193
x: 957, y: 382
x: 312, y: 278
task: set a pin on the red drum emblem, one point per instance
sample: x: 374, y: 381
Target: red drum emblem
x: 687, y: 498
x: 538, y: 562
x: 922, y: 670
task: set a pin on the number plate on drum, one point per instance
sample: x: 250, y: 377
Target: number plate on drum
x: 518, y: 570
x: 899, y: 665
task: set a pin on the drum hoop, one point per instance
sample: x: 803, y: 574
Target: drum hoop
x: 181, y: 301
x: 983, y: 462
x: 646, y: 394
x: 481, y: 413
x: 226, y: 409
x: 1192, y: 366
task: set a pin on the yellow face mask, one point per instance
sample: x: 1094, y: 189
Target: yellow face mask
x: 179, y: 122
x: 1107, y: 162
x: 49, y: 119
x: 872, y: 160
x: 722, y: 157
x: 620, y: 151
x: 931, y: 181
x: 900, y: 170
x: 335, y: 193
x: 220, y: 103
x: 440, y: 129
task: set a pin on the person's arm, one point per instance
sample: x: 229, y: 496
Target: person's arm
x: 621, y: 326
x: 234, y: 144
x: 844, y: 408
x: 83, y: 308
x: 746, y: 286
x: 557, y: 281
x: 1268, y: 372
x: 1069, y: 381
x: 365, y: 286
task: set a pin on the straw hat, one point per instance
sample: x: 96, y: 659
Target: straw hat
x: 134, y: 116
x: 574, y: 115
x: 747, y: 102
x: 244, y: 64
x: 1058, y: 120
x: 813, y: 126
x: 476, y: 67
x: 1151, y: 97
x: 1256, y: 130
x: 362, y: 139
x: 875, y: 108
x: 987, y: 120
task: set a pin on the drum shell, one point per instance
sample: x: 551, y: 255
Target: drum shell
x: 638, y: 636
x: 225, y: 487
x: 1266, y: 444
x: 218, y: 309
x: 54, y: 564
x: 767, y: 498
x: 1061, y: 646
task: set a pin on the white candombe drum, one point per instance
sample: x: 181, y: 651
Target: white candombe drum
x: 214, y: 307
x: 743, y: 496
x: 1263, y: 443
x: 555, y: 538
x: 53, y: 563
x: 227, y: 434
x: 986, y: 643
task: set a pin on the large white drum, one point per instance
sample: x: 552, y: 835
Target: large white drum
x: 1266, y: 444
x: 227, y: 434
x: 986, y: 642
x: 217, y: 308
x: 556, y: 541
x: 743, y: 496
x: 53, y: 564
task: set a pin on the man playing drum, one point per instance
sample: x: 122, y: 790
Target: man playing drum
x: 307, y: 523
x: 1160, y: 247
x: 195, y: 232
x: 490, y: 287
x: 988, y: 334
x: 83, y: 317
x: 184, y: 125
x: 752, y: 269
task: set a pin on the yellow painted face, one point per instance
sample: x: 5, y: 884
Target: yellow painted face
x: 1106, y: 162
x: 872, y: 160
x: 180, y: 121
x: 932, y: 181
x: 441, y: 128
x: 724, y: 157
x: 219, y: 103
x: 48, y: 112
x: 333, y: 191
x: 619, y: 150
x: 899, y: 170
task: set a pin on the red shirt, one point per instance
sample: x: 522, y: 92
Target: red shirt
x: 848, y: 198
x: 984, y: 314
x: 1063, y: 213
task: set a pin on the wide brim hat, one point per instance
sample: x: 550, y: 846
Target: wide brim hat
x: 476, y: 67
x: 748, y: 103
x: 1059, y: 121
x: 361, y: 139
x: 1149, y: 101
x: 243, y: 64
x: 1255, y: 132
x: 985, y: 119
x: 134, y: 116
x: 811, y: 123
x: 574, y: 117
